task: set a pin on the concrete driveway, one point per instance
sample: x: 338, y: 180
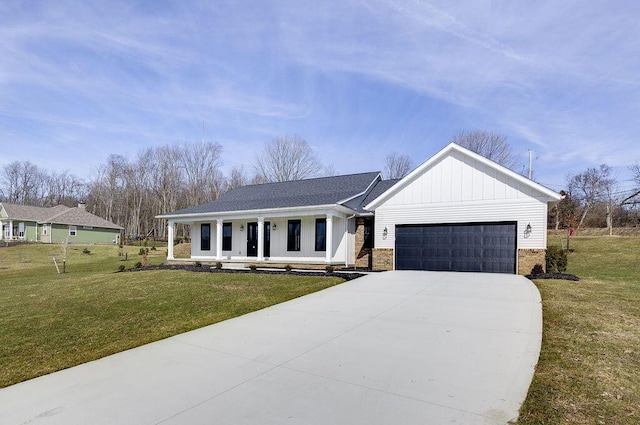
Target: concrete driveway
x: 388, y: 348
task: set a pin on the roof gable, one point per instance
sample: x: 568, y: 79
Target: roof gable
x: 297, y: 193
x: 468, y: 165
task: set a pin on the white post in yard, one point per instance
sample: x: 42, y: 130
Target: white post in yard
x: 260, y: 239
x: 219, y: 239
x: 170, y: 230
x: 329, y: 237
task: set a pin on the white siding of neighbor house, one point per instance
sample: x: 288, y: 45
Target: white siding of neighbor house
x: 278, y: 247
x: 459, y: 189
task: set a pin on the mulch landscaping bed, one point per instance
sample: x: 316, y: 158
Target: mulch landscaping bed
x: 562, y: 276
x: 209, y: 269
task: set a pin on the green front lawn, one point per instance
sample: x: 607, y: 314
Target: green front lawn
x: 589, y: 368
x: 51, y: 321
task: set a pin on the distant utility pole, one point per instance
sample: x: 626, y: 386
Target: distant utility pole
x: 530, y: 163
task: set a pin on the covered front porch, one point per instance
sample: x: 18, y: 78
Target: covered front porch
x: 314, y: 237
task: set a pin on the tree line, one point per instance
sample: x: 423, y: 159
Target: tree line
x: 131, y: 192
x: 595, y: 198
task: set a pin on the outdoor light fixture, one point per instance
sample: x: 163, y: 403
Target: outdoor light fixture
x: 385, y: 232
x: 242, y: 227
x: 527, y: 230
x: 275, y: 226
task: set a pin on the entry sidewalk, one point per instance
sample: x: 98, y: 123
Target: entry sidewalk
x: 395, y: 347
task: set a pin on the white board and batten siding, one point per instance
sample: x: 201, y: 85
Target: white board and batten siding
x: 462, y: 189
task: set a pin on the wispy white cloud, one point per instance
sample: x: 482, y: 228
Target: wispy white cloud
x: 560, y: 78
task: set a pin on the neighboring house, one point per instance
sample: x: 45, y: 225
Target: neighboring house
x: 457, y: 211
x: 55, y: 225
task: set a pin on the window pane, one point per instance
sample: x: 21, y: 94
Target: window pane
x: 293, y: 235
x: 321, y: 231
x: 205, y: 237
x: 226, y: 236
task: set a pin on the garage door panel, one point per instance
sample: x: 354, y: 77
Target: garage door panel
x: 485, y: 247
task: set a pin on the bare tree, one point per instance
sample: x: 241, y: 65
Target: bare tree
x: 106, y: 189
x: 591, y: 186
x: 165, y: 184
x: 491, y: 145
x: 287, y: 158
x: 236, y: 178
x: 200, y: 164
x: 23, y: 183
x: 63, y: 189
x: 397, y: 166
x: 633, y: 198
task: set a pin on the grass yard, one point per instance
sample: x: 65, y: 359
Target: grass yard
x: 51, y: 321
x: 589, y: 368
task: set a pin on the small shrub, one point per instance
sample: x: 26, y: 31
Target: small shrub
x: 218, y: 265
x: 142, y: 251
x: 138, y: 265
x: 330, y: 269
x: 153, y: 248
x: 252, y: 267
x: 537, y: 269
x: 198, y: 264
x: 121, y: 268
x: 86, y: 251
x: 556, y: 260
x: 287, y: 267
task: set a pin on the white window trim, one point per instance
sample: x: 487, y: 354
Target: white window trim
x: 73, y: 230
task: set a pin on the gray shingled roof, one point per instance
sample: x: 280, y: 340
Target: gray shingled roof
x: 360, y: 202
x: 81, y: 217
x: 298, y: 193
x: 59, y: 214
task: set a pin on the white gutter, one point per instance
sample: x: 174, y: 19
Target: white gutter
x: 271, y: 212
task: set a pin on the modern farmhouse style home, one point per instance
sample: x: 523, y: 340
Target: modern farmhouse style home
x: 457, y: 211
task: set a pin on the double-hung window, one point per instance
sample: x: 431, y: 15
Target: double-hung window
x: 293, y: 235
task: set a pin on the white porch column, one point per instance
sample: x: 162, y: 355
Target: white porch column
x: 170, y: 231
x: 219, y: 239
x: 329, y: 237
x: 10, y: 229
x: 260, y: 239
x: 1, y: 230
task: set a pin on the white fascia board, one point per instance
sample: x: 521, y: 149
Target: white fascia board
x: 271, y: 212
x: 550, y: 194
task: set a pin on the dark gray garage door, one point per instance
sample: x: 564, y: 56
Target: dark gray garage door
x: 469, y: 247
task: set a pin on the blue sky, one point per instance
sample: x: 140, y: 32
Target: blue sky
x: 356, y: 79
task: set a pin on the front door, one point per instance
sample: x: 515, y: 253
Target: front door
x: 252, y: 239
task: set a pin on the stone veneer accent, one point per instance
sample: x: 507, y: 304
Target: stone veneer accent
x: 383, y: 259
x: 527, y: 258
x: 362, y: 253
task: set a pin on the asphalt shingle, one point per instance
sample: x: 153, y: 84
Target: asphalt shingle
x: 299, y: 193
